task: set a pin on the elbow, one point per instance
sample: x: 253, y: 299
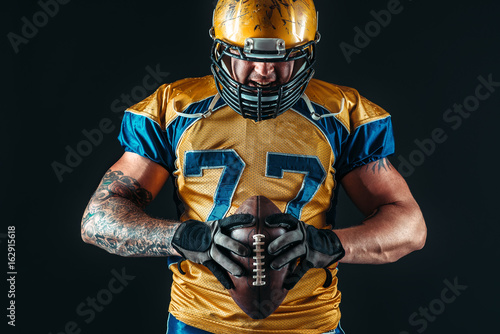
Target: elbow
x: 85, y: 237
x: 91, y: 234
x: 87, y: 229
x: 415, y: 229
x: 413, y: 240
x: 419, y: 234
x: 422, y: 239
x: 85, y: 234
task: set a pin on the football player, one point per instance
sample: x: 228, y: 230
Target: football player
x: 258, y: 125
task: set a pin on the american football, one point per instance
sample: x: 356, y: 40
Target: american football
x: 261, y: 291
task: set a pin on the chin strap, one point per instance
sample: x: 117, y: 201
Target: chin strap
x: 206, y: 114
x: 315, y: 116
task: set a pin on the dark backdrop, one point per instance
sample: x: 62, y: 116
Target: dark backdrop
x: 71, y: 73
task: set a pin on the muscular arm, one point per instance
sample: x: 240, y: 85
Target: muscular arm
x: 114, y: 219
x: 394, y: 226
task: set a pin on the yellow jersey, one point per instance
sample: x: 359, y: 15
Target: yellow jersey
x: 219, y: 159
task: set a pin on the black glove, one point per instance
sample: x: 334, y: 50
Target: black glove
x: 316, y: 248
x: 199, y: 242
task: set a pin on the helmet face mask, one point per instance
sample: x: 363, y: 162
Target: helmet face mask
x: 260, y: 102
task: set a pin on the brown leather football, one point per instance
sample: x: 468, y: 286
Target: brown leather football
x: 261, y: 291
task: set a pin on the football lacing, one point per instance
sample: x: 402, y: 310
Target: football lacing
x: 259, y: 271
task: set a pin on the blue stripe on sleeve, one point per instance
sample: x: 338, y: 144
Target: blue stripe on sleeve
x: 370, y: 142
x: 143, y: 136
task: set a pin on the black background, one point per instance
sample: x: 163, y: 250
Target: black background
x: 64, y: 80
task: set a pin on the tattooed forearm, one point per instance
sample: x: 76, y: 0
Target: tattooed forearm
x: 115, y: 221
x: 379, y: 165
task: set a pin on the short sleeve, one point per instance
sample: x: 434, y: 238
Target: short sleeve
x: 369, y: 142
x: 142, y: 133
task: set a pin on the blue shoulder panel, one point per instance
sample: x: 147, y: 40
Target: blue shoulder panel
x: 369, y: 142
x: 141, y: 135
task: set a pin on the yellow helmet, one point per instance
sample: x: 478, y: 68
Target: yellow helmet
x: 264, y: 31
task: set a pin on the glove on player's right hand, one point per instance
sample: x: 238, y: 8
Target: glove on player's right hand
x: 316, y: 248
x: 199, y: 242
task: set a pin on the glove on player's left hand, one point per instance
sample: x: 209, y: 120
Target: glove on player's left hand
x: 199, y: 242
x: 316, y: 248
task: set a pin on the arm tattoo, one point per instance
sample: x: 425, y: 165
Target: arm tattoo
x: 379, y: 165
x: 115, y: 219
x: 114, y: 183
